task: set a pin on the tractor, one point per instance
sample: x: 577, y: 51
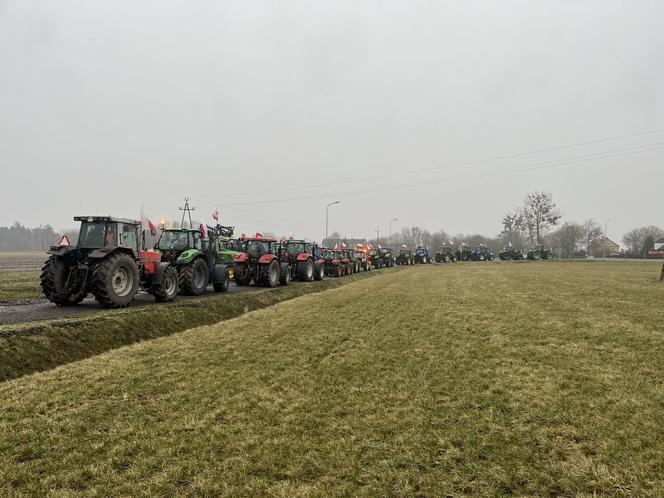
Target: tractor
x: 263, y: 261
x: 303, y: 260
x: 362, y: 257
x: 421, y: 255
x: 199, y: 256
x: 347, y: 261
x: 538, y: 252
x: 109, y: 262
x: 509, y: 253
x: 374, y: 258
x: 333, y: 263
x: 445, y: 255
x: 405, y: 257
x: 481, y: 253
x: 463, y: 252
x: 386, y: 256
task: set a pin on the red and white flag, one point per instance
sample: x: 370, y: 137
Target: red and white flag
x: 204, y: 229
x: 343, y: 246
x: 215, y: 216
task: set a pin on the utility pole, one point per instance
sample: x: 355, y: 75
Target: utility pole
x: 186, y: 210
x: 390, y: 239
x: 605, y: 239
x: 377, y: 235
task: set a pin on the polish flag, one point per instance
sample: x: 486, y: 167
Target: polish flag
x: 204, y: 229
x: 215, y: 216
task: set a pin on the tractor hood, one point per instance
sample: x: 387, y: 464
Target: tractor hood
x: 187, y: 256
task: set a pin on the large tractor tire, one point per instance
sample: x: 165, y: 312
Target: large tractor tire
x: 241, y: 275
x: 305, y: 270
x: 349, y: 269
x: 222, y: 286
x: 194, y: 277
x: 338, y: 271
x: 168, y: 289
x: 270, y: 274
x: 54, y: 275
x: 115, y: 281
x: 284, y: 274
x: 319, y: 271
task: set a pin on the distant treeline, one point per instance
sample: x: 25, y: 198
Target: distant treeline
x: 21, y: 238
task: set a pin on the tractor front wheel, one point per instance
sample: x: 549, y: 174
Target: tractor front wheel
x: 222, y: 286
x: 319, y: 271
x: 168, y: 288
x: 115, y: 281
x: 194, y: 277
x: 54, y: 276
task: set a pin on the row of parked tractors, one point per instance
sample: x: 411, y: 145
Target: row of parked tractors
x: 111, y: 262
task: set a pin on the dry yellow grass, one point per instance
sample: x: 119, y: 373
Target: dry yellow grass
x: 477, y: 379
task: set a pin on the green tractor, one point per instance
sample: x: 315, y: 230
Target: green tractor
x: 405, y: 256
x: 510, y: 253
x: 445, y: 255
x: 199, y: 259
x: 538, y: 252
x: 108, y: 261
x: 387, y: 256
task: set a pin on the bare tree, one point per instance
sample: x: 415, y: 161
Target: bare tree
x: 568, y: 238
x: 640, y: 240
x: 591, y: 232
x: 540, y: 214
x: 513, y: 228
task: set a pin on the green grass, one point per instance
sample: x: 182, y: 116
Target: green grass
x: 469, y: 379
x: 19, y: 285
x: 42, y: 345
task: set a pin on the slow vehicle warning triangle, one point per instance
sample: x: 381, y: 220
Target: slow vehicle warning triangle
x: 64, y: 241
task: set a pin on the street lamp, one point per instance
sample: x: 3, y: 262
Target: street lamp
x: 391, y: 221
x: 605, y: 239
x: 327, y: 209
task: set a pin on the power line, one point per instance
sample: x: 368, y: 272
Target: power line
x: 448, y: 166
x: 514, y: 169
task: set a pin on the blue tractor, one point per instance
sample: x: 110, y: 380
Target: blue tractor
x: 421, y: 255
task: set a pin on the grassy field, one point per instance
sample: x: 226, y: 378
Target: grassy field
x: 467, y: 379
x: 19, y: 285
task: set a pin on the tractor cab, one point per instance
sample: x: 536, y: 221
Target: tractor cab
x: 174, y: 242
x: 261, y: 260
x: 109, y: 262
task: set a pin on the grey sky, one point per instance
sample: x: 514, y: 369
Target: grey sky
x: 105, y: 105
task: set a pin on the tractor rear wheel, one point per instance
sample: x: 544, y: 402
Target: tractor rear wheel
x: 338, y: 271
x: 194, y: 277
x: 272, y: 277
x: 305, y: 270
x: 54, y: 276
x: 319, y: 271
x: 285, y: 277
x: 221, y: 286
x: 168, y: 288
x: 115, y: 281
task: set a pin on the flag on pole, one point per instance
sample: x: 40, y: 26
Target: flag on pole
x: 215, y: 216
x: 343, y: 246
x: 204, y: 229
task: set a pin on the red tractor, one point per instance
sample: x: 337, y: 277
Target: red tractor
x: 108, y: 261
x: 332, y: 263
x: 303, y: 260
x: 262, y: 261
x: 347, y: 260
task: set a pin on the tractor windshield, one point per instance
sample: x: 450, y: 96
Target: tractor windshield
x: 256, y: 248
x: 295, y: 248
x: 420, y: 251
x: 94, y: 235
x: 329, y: 254
x: 173, y: 241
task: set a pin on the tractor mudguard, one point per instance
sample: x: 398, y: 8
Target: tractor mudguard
x: 105, y: 252
x: 60, y: 250
x: 219, y: 273
x: 303, y: 256
x: 188, y: 256
x: 243, y: 257
x: 266, y: 259
x: 159, y: 273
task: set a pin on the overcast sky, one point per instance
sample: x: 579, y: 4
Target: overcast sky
x: 269, y: 110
